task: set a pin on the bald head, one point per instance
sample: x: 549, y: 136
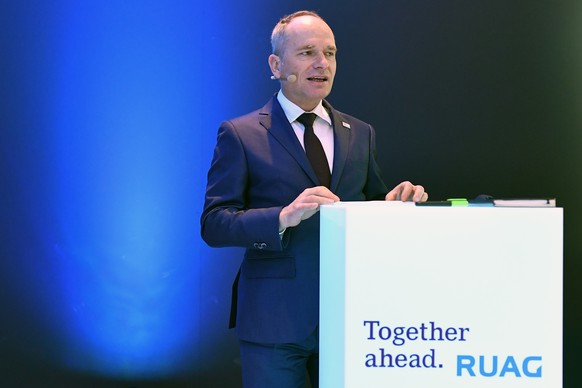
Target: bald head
x: 279, y: 34
x: 304, y: 49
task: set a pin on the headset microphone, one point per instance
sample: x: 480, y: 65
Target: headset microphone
x: 290, y: 78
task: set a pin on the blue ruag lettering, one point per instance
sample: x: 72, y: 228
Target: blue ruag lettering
x: 482, y: 367
x: 510, y: 367
x: 465, y: 362
x: 489, y: 366
x: 525, y: 367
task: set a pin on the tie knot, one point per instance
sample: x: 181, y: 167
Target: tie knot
x: 307, y: 119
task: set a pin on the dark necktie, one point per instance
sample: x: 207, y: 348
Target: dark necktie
x: 314, y: 150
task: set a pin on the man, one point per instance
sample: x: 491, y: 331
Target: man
x: 264, y: 192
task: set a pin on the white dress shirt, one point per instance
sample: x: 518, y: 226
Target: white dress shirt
x: 322, y: 126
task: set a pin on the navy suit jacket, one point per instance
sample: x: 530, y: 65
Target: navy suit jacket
x: 259, y: 167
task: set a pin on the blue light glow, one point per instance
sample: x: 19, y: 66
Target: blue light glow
x: 128, y: 186
x: 109, y: 117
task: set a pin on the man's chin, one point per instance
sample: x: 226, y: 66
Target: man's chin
x: 321, y: 92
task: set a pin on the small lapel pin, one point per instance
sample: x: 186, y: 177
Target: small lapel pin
x: 347, y: 125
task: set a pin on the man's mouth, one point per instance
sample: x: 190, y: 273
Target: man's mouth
x: 318, y: 78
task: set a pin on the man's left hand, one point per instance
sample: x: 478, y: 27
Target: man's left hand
x: 406, y: 191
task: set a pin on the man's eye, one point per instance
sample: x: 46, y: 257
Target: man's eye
x: 307, y: 52
x: 330, y: 53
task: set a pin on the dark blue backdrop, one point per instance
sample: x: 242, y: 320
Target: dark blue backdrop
x: 108, y: 116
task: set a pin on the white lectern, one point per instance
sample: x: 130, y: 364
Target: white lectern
x: 425, y: 297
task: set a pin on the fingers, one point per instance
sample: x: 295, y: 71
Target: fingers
x: 419, y: 195
x: 319, y: 194
x: 407, y: 191
x: 400, y: 192
x: 305, y: 206
x: 392, y: 195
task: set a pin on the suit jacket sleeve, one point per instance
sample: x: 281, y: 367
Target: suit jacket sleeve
x: 226, y: 219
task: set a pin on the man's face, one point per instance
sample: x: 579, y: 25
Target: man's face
x: 309, y: 52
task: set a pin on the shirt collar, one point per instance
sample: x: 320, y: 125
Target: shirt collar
x: 292, y: 111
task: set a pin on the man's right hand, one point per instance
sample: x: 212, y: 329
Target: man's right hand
x: 305, y: 205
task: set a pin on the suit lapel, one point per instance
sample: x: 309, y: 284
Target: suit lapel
x: 341, y: 140
x: 273, y: 119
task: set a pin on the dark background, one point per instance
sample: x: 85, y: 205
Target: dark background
x: 466, y: 97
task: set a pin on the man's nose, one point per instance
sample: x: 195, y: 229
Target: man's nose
x: 321, y: 61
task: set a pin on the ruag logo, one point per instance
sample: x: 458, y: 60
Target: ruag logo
x: 491, y: 366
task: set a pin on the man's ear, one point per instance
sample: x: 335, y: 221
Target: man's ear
x: 275, y: 65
